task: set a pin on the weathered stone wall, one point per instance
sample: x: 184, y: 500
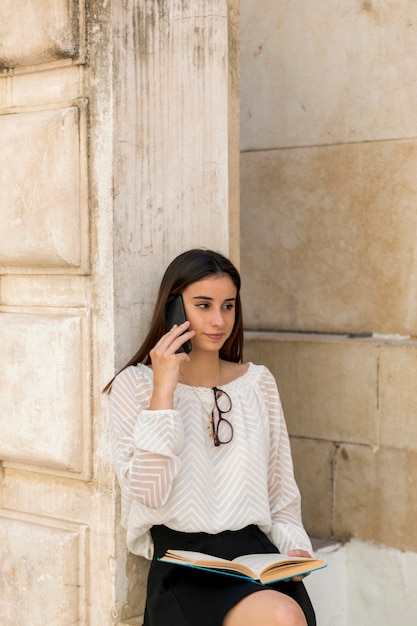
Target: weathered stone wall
x: 328, y: 195
x: 57, y: 501
x: 118, y: 135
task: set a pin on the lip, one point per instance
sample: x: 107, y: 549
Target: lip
x: 215, y: 336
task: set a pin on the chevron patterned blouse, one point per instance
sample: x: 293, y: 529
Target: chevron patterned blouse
x: 171, y: 473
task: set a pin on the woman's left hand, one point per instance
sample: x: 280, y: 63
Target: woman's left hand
x: 298, y: 579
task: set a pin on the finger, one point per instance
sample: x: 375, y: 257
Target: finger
x: 181, y: 340
x: 297, y: 552
x: 173, y: 333
x: 295, y: 579
x: 171, y: 342
x: 298, y: 579
x: 182, y: 326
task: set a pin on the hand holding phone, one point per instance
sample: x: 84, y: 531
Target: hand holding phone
x: 175, y: 314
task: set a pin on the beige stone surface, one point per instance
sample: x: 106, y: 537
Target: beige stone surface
x: 398, y: 397
x: 45, y: 88
x: 320, y: 72
x: 30, y: 35
x: 375, y: 495
x: 313, y: 468
x: 234, y: 135
x: 37, y: 494
x: 108, y: 170
x: 43, y: 177
x: 328, y: 238
x: 328, y: 250
x: 328, y: 386
x: 72, y: 506
x: 350, y: 409
x: 44, y: 405
x: 23, y: 290
x: 172, y: 149
x: 57, y: 483
x: 43, y: 566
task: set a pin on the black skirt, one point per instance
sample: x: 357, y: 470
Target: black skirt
x: 182, y: 596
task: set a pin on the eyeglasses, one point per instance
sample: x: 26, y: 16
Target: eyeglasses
x: 223, y: 429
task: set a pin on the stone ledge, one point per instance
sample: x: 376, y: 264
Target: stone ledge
x: 326, y: 545
x: 304, y: 337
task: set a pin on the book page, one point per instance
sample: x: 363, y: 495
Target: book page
x: 264, y: 567
x: 258, y: 562
x: 193, y: 557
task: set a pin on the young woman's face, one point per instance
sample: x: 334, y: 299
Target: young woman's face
x: 210, y: 308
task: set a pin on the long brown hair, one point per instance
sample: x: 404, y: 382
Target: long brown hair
x: 187, y: 268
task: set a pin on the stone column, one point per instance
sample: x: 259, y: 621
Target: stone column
x: 176, y: 144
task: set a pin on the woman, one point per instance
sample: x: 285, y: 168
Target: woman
x: 203, y: 459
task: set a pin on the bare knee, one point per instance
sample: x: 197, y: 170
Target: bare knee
x: 269, y: 608
x: 287, y: 612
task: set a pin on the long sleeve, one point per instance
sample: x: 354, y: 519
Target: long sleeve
x: 171, y: 473
x: 145, y: 443
x: 287, y: 531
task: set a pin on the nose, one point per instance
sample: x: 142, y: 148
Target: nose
x: 217, y: 318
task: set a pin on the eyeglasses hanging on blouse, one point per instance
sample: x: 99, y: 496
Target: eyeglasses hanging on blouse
x: 222, y: 428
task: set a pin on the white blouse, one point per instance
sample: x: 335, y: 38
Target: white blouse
x: 170, y: 472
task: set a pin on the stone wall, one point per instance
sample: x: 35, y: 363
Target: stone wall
x: 328, y: 248
x: 57, y: 504
x: 119, y: 149
x: 350, y: 405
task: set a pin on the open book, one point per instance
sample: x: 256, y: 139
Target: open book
x: 261, y: 568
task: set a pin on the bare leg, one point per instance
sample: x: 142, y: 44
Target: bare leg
x: 269, y: 608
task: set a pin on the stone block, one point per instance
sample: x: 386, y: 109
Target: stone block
x: 313, y: 461
x: 45, y: 373
x: 36, y: 492
x: 398, y: 396
x: 31, y: 35
x: 320, y: 230
x: 43, y: 177
x: 328, y: 385
x: 43, y: 571
x: 316, y: 73
x: 375, y: 495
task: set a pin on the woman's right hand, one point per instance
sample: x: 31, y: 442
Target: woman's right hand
x: 166, y: 363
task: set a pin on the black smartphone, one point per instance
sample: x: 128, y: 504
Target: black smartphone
x: 175, y: 314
